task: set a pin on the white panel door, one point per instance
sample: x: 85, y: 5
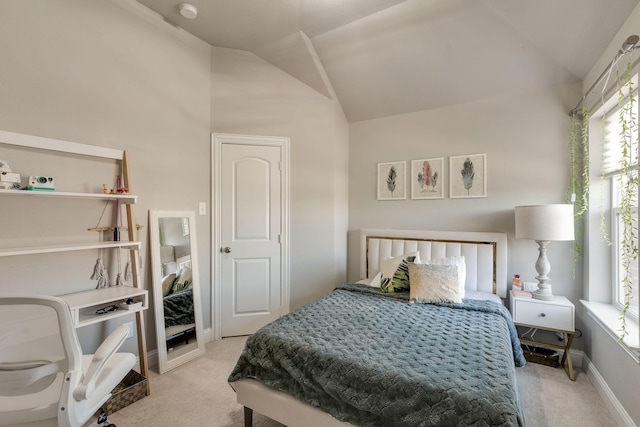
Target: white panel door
x: 250, y: 247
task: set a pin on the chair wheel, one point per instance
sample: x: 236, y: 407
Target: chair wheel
x: 102, y: 419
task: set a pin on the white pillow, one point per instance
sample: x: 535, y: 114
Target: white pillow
x: 389, y: 281
x: 375, y: 282
x: 434, y: 283
x: 452, y: 260
x: 167, y: 283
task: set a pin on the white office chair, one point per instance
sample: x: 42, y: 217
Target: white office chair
x: 45, y: 380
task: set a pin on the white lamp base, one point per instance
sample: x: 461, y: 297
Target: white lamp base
x: 543, y: 294
x: 543, y: 268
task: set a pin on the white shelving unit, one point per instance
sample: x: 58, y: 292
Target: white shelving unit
x: 68, y: 248
x: 85, y: 306
x: 124, y: 198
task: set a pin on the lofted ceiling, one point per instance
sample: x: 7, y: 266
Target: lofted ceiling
x: 386, y: 57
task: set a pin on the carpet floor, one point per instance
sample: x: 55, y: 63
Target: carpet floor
x: 197, y: 394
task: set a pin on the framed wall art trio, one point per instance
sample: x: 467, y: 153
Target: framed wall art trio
x: 467, y: 178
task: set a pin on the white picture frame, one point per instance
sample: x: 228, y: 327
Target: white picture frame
x: 468, y: 176
x: 391, y: 181
x: 427, y: 178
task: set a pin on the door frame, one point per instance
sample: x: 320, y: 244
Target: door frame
x: 217, y: 140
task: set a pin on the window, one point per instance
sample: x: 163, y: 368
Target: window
x: 621, y: 147
x: 620, y: 290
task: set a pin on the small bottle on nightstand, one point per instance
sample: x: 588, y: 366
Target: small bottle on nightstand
x: 517, y: 290
x: 517, y: 282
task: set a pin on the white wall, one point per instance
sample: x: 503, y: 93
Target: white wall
x: 524, y: 137
x: 103, y: 73
x: 114, y: 74
x: 252, y: 97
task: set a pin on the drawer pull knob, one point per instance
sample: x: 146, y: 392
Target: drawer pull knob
x: 542, y: 315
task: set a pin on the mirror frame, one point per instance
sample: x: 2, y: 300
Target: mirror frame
x: 164, y: 364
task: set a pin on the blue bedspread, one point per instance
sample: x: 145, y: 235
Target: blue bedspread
x: 373, y: 359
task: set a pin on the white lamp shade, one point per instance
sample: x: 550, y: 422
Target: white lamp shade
x: 545, y: 222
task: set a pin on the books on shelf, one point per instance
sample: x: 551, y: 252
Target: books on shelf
x: 520, y: 293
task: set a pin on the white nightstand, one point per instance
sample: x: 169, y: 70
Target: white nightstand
x: 557, y: 316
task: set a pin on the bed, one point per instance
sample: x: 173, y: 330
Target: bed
x: 177, y: 291
x: 360, y: 356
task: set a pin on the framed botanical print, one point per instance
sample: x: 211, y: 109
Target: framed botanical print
x: 391, y: 181
x: 468, y: 176
x: 427, y: 178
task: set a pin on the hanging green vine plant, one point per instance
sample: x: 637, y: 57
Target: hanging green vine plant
x: 628, y: 180
x: 603, y: 217
x: 626, y: 171
x: 578, y: 190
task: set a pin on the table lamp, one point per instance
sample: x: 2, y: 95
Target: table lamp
x: 544, y: 223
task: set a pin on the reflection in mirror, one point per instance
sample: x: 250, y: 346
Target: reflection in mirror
x: 176, y: 290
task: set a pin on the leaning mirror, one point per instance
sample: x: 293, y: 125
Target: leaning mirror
x: 176, y: 289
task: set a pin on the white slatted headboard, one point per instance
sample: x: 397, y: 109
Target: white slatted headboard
x: 485, y: 253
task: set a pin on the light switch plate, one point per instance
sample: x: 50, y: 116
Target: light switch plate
x: 202, y: 208
x: 130, y: 326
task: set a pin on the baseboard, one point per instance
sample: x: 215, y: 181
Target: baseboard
x: 152, y: 355
x: 576, y: 358
x: 617, y: 410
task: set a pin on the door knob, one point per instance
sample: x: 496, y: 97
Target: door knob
x: 226, y: 250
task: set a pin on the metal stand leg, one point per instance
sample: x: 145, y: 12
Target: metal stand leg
x: 566, y: 357
x: 248, y: 417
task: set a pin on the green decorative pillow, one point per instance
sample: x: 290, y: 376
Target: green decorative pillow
x: 434, y: 283
x: 183, y: 280
x: 395, y: 273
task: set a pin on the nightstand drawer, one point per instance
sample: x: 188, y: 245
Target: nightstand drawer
x: 543, y: 314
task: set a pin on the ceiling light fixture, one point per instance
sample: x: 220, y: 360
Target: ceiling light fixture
x: 188, y: 10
